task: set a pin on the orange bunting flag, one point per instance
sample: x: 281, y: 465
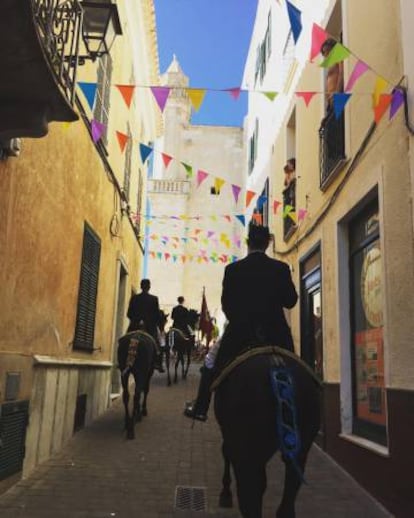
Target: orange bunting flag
x: 166, y: 159
x: 249, y: 196
x: 196, y: 96
x: 306, y: 96
x: 127, y: 91
x: 382, y: 106
x: 122, y: 140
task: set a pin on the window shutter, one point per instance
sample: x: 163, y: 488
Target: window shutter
x: 88, y: 289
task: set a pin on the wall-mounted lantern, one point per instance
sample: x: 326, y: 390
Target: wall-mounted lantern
x: 100, y: 27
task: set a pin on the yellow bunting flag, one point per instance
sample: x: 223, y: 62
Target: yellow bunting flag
x: 196, y: 96
x: 380, y: 86
x: 218, y: 184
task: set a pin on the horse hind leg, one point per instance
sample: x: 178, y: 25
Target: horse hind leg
x: 251, y: 485
x: 293, y: 481
x: 226, y: 497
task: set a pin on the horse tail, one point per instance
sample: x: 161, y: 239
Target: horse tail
x: 283, y: 388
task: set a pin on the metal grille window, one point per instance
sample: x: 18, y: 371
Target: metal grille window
x: 103, y: 91
x: 13, y: 423
x: 88, y: 289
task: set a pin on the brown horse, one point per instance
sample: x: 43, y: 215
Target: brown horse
x: 135, y: 356
x: 256, y: 421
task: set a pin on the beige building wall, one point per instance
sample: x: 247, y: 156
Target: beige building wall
x: 47, y: 194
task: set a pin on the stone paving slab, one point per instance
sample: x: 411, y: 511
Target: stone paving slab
x: 100, y: 474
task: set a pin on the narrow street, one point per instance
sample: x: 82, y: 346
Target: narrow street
x: 99, y: 474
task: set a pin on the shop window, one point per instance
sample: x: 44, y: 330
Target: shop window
x: 367, y: 345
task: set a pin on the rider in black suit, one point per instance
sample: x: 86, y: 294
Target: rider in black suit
x: 255, y: 291
x: 180, y: 316
x: 144, y: 313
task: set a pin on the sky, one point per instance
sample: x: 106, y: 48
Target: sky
x: 210, y: 39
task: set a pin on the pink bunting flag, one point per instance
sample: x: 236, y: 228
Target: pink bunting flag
x: 319, y: 35
x: 210, y: 233
x: 166, y: 159
x: 359, y: 69
x: 236, y: 191
x: 227, y: 217
x: 301, y: 214
x: 161, y: 94
x: 201, y: 176
x: 234, y: 92
x: 276, y: 205
x: 306, y: 96
x: 97, y: 129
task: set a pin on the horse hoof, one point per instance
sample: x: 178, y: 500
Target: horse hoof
x: 130, y: 434
x: 144, y: 413
x: 226, y: 501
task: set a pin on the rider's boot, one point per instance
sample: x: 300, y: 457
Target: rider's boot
x: 198, y: 409
x: 158, y: 362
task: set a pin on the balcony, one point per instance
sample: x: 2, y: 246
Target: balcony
x: 39, y: 41
x: 331, y: 147
x: 168, y: 186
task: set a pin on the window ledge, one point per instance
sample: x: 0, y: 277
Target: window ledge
x: 69, y: 362
x: 339, y: 166
x: 367, y: 444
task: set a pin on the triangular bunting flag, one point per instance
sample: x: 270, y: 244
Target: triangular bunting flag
x: 287, y: 209
x: 201, y: 176
x: 380, y: 86
x: 292, y: 216
x: 270, y: 95
x: 276, y: 205
x: 218, y: 184
x: 234, y: 92
x: 319, y: 36
x: 382, y: 106
x: 188, y: 169
x: 97, y: 129
x: 261, y: 201
x: 236, y: 191
x: 166, y: 159
x: 122, y: 140
x: 89, y: 91
x: 359, y: 69
x: 145, y: 152
x: 161, y: 94
x: 127, y: 91
x: 249, y: 196
x: 337, y: 54
x: 242, y: 219
x: 295, y: 20
x: 301, y: 214
x: 339, y: 102
x: 196, y: 96
x: 306, y: 96
x: 396, y: 103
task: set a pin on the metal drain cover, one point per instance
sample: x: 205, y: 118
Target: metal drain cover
x: 190, y: 498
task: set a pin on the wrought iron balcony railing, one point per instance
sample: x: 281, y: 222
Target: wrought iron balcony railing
x: 331, y: 146
x: 168, y: 186
x: 58, y: 24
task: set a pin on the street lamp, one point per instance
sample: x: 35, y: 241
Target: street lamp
x: 100, y: 26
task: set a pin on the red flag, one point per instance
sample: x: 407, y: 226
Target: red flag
x: 205, y: 323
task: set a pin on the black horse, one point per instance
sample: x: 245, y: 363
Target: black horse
x: 255, y: 423
x: 182, y: 345
x: 135, y: 356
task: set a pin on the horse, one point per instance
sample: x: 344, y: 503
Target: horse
x: 268, y: 402
x: 163, y: 340
x: 182, y: 345
x: 135, y: 356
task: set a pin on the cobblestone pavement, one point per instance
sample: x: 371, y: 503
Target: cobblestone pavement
x: 100, y: 474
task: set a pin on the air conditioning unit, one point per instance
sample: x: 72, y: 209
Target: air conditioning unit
x: 11, y: 147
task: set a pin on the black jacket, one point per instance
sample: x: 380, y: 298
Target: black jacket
x: 144, y: 308
x: 255, y: 291
x: 180, y: 316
